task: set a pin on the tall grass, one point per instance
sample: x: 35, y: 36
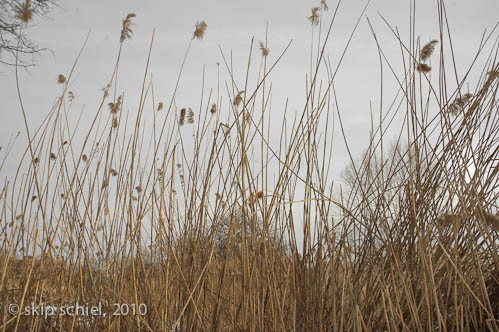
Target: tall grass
x: 199, y: 215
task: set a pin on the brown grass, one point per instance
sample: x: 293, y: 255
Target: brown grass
x: 203, y: 228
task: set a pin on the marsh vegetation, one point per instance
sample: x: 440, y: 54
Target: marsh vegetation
x: 198, y: 213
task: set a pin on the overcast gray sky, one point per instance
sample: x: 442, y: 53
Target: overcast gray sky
x: 231, y: 25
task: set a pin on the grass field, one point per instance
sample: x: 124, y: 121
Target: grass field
x: 196, y: 220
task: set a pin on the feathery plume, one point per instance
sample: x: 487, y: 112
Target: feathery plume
x: 265, y: 50
x: 182, y: 117
x: 106, y: 90
x: 427, y: 50
x: 492, y: 220
x: 115, y: 122
x: 314, y: 18
x: 190, y: 116
x: 423, y: 68
x: 115, y: 107
x: 24, y: 12
x: 493, y: 74
x: 459, y: 104
x: 324, y: 5
x: 226, y: 130
x: 447, y: 219
x: 61, y: 79
x: 126, y: 31
x: 238, y: 98
x: 200, y: 30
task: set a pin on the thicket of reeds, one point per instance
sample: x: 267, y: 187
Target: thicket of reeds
x: 199, y: 216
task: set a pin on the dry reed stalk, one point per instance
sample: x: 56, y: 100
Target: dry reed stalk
x: 204, y: 248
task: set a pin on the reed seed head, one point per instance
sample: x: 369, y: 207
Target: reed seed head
x: 493, y: 74
x: 115, y: 107
x: 423, y: 68
x: 492, y: 221
x: 24, y: 12
x: 314, y: 18
x: 160, y: 106
x: 61, y: 79
x: 427, y: 50
x: 106, y: 90
x: 447, y: 219
x: 324, y: 5
x: 213, y: 109
x: 126, y: 31
x: 190, y: 116
x: 181, y: 120
x: 238, y: 99
x: 459, y: 104
x: 200, y: 30
x: 265, y: 50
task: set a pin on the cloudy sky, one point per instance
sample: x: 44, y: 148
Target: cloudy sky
x: 231, y: 26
